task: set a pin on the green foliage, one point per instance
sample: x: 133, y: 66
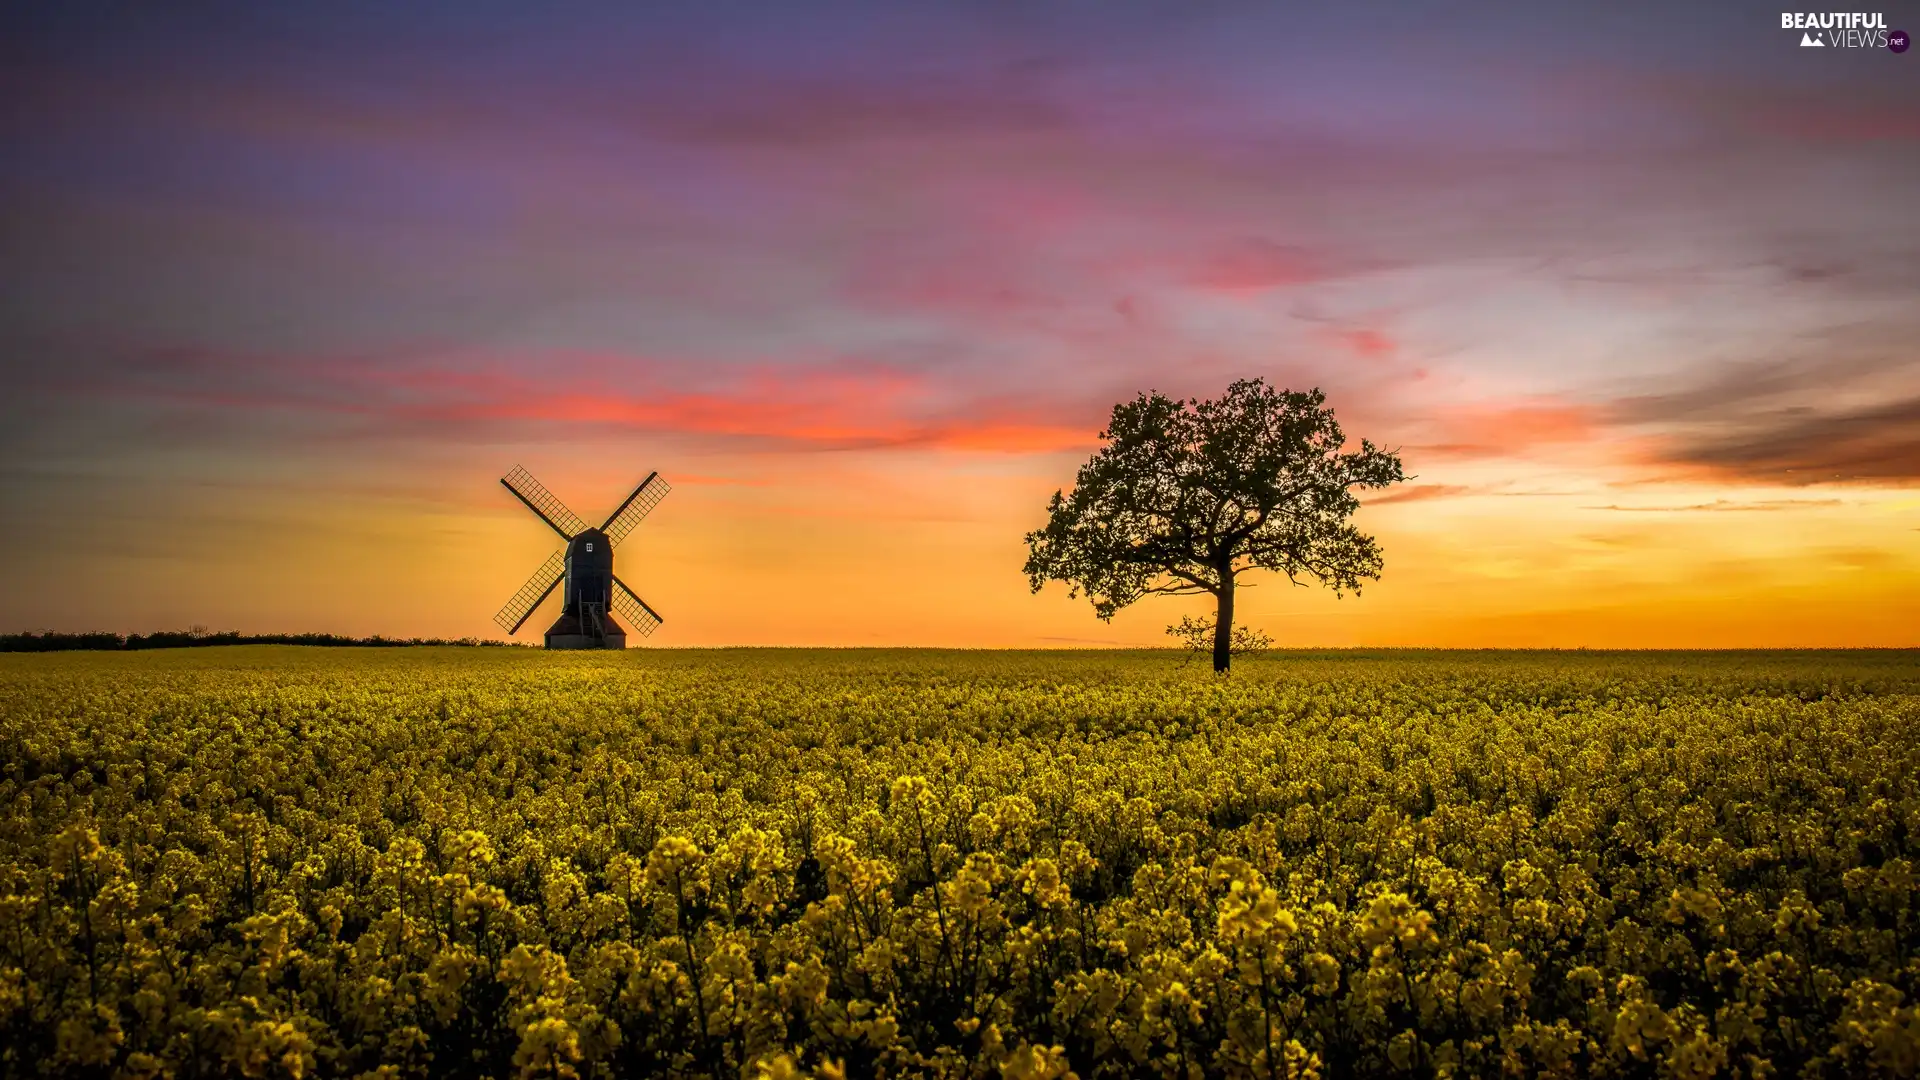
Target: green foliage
x: 1186, y: 496
x: 283, y: 862
x: 1196, y: 635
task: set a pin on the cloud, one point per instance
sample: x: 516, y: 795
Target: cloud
x: 1367, y: 344
x: 1723, y: 505
x: 702, y: 480
x: 966, y: 287
x: 1802, y: 446
x: 1419, y: 493
x: 797, y: 114
x: 1496, y: 429
x: 1621, y: 540
x: 838, y: 405
x: 1864, y: 104
x: 1843, y: 407
x: 1836, y: 121
x: 1256, y: 264
x: 1817, y: 370
x: 1829, y: 395
x: 1860, y: 558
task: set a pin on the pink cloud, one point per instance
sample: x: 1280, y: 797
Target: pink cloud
x: 1497, y: 430
x: 1850, y: 123
x: 841, y: 405
x: 1836, y: 113
x: 1256, y: 265
x: 1367, y: 344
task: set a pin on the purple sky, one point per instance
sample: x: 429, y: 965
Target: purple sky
x: 262, y: 256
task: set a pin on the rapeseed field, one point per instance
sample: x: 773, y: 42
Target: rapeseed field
x: 272, y: 862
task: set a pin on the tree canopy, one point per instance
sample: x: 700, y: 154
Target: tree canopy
x: 1187, y: 495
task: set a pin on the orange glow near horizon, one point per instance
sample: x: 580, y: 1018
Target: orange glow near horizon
x: 870, y: 548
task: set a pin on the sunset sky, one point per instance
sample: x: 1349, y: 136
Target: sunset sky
x: 1635, y: 289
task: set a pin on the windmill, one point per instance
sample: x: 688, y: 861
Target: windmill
x: 592, y: 594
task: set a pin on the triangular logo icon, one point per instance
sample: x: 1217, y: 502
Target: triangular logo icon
x: 1808, y: 41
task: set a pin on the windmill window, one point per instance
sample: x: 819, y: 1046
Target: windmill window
x: 589, y: 545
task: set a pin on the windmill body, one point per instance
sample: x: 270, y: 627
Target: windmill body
x: 590, y: 594
x: 586, y: 604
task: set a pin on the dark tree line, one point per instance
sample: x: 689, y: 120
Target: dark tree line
x: 51, y: 641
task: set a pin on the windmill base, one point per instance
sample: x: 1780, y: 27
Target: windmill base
x: 567, y: 633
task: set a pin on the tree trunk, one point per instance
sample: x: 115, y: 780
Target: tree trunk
x: 1223, y: 625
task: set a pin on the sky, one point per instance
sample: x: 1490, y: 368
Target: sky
x: 1634, y: 289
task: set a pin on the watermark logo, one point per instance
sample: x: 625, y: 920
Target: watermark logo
x: 1844, y: 30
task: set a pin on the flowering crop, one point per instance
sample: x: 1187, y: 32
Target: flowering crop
x: 265, y: 861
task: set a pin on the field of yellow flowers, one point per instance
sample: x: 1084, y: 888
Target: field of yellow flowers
x: 265, y: 861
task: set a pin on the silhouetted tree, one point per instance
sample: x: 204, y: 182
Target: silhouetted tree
x: 1188, y: 495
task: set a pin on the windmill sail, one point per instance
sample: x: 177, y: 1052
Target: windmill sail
x: 637, y: 507
x: 544, y: 503
x: 642, y: 618
x: 543, y: 581
x: 583, y: 570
